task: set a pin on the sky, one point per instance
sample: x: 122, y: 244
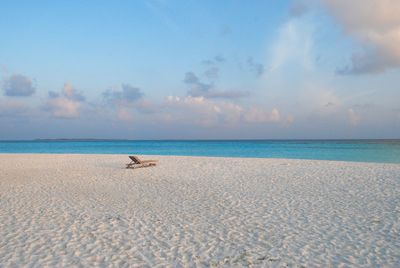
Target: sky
x: 185, y: 69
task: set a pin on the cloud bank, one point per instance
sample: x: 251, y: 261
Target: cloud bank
x: 65, y: 104
x: 124, y: 96
x: 208, y: 112
x: 124, y: 99
x: 374, y: 23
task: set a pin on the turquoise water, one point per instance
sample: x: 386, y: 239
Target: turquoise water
x: 383, y: 151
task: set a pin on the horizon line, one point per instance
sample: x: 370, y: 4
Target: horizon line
x: 261, y: 139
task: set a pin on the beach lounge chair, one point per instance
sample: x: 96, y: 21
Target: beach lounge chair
x: 137, y: 163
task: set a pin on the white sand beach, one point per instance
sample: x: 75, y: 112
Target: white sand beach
x: 88, y: 210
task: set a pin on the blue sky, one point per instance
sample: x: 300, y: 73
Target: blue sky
x: 163, y: 69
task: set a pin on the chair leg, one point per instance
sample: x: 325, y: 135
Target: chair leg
x: 133, y: 165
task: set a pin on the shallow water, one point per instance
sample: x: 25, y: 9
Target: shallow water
x: 382, y: 151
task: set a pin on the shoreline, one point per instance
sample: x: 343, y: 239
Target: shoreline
x: 377, y: 151
x: 87, y: 209
x: 193, y: 156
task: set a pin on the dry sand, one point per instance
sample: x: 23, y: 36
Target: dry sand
x: 87, y: 210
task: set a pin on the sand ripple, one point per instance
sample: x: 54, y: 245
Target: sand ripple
x: 86, y: 210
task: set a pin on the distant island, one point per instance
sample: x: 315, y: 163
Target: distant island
x: 79, y: 139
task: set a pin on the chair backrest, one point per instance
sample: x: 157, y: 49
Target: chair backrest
x: 135, y: 159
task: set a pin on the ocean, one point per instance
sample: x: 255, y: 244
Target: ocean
x: 381, y: 151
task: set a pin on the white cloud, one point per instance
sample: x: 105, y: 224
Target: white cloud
x: 64, y: 108
x: 125, y: 100
x: 203, y: 111
x: 257, y: 115
x: 66, y: 104
x: 199, y: 110
x: 293, y: 44
x: 375, y: 23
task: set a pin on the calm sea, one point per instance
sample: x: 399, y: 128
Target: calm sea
x: 383, y: 151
